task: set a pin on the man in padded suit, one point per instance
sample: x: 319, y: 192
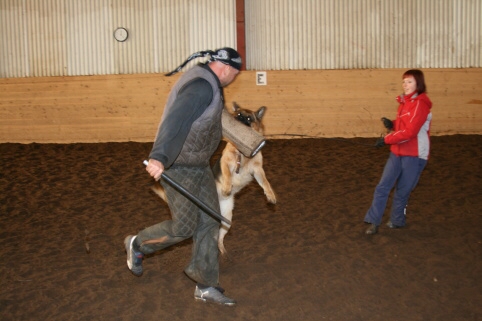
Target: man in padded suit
x: 188, y: 135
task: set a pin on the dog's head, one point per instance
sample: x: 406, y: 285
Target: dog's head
x: 250, y: 118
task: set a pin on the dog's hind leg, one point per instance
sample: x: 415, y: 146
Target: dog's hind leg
x: 226, y: 205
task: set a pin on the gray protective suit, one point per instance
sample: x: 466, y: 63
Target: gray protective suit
x: 189, y: 166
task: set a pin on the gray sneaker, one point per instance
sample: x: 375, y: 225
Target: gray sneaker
x: 212, y: 294
x: 373, y: 229
x: 391, y: 225
x: 134, y: 257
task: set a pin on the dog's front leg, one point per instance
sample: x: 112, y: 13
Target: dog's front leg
x: 260, y: 177
x: 227, y: 179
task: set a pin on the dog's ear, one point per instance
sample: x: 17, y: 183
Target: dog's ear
x: 260, y: 113
x: 235, y: 106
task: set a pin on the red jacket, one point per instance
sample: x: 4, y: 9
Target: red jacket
x: 411, y: 129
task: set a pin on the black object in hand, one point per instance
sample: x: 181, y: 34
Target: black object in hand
x: 380, y: 142
x: 387, y: 123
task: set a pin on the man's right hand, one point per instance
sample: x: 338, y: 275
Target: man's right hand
x: 155, y: 168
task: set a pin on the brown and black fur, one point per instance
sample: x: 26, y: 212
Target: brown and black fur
x: 234, y: 170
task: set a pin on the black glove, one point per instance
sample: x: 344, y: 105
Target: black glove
x: 380, y: 142
x: 387, y: 123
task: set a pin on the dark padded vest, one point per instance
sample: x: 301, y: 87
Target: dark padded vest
x: 206, y: 132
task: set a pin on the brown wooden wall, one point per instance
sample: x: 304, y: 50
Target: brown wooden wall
x: 322, y: 103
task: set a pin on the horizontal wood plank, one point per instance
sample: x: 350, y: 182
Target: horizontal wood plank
x: 314, y: 103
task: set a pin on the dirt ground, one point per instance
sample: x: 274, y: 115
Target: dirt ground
x: 65, y: 210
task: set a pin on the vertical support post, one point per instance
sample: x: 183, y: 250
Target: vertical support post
x: 241, y: 31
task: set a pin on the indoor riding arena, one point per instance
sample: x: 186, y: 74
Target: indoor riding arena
x: 80, y: 108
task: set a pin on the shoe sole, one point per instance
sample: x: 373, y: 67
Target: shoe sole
x: 230, y: 304
x: 128, y: 245
x: 393, y: 226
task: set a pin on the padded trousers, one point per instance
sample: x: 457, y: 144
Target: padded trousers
x: 188, y: 220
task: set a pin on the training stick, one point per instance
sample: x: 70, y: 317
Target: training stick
x: 192, y: 198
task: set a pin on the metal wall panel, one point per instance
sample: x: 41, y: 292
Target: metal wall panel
x: 75, y: 37
x: 46, y: 33
x: 348, y: 34
x: 187, y: 26
x: 13, y: 62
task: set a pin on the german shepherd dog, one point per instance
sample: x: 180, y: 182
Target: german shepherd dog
x: 234, y: 171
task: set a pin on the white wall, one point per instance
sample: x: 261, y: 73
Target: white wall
x: 359, y: 34
x: 75, y: 37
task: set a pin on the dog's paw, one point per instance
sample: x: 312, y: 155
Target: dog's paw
x: 271, y: 198
x: 226, y: 190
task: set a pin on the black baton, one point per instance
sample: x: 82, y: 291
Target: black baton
x: 192, y: 198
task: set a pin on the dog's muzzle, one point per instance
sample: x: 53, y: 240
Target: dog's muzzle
x: 244, y: 138
x: 245, y: 119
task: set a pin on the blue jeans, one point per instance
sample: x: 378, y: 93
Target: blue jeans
x: 403, y: 172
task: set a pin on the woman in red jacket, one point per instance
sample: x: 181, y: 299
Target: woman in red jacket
x: 409, y: 140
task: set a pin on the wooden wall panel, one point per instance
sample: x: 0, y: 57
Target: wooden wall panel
x: 322, y: 103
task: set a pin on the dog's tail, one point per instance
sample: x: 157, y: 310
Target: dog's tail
x: 159, y: 191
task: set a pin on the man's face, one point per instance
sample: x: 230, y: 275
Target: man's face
x: 228, y: 74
